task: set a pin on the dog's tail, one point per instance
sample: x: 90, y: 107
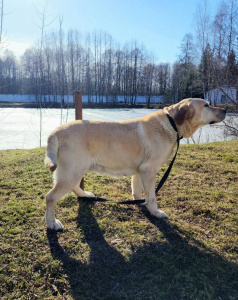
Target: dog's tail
x: 51, y: 152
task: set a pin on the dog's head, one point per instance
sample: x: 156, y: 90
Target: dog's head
x: 190, y: 114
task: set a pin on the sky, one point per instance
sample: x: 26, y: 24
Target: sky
x: 159, y: 24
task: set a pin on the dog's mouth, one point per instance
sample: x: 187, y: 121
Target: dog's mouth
x: 220, y: 117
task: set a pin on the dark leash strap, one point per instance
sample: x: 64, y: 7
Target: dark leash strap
x: 159, y: 186
x: 99, y: 199
x: 166, y: 174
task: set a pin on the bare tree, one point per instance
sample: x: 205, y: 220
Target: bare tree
x: 202, y: 25
x: 220, y: 32
x: 3, y: 37
x: 162, y: 77
x: 232, y: 23
x: 118, y: 72
x: 185, y: 71
x: 108, y: 68
x: 44, y: 24
x: 8, y: 68
x: 61, y: 64
x: 148, y: 79
x: 1, y: 22
x: 88, y: 83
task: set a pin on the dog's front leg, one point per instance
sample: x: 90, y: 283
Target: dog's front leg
x: 148, y: 181
x: 136, y: 187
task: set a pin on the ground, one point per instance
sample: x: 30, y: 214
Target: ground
x: 118, y: 252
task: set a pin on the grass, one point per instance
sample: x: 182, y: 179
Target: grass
x: 118, y: 252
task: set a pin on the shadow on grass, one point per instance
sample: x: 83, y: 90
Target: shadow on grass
x: 178, y: 268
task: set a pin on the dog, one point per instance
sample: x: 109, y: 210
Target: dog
x: 136, y: 147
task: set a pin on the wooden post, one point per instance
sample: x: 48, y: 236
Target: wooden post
x: 78, y: 105
x: 79, y: 115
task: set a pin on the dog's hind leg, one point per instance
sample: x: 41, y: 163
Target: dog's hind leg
x: 58, y: 191
x: 61, y: 187
x: 81, y: 193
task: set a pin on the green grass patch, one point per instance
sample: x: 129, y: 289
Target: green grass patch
x: 118, y: 252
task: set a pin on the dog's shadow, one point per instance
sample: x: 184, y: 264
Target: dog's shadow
x: 175, y: 268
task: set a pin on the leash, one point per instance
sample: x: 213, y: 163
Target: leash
x: 159, y: 186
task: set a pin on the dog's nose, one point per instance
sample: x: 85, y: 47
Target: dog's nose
x: 223, y: 113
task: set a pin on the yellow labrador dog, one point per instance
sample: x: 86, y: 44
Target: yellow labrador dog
x: 137, y: 148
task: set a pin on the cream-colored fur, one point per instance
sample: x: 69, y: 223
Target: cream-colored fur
x: 137, y: 148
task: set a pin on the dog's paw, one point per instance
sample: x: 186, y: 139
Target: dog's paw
x: 159, y: 214
x: 89, y: 194
x: 143, y: 204
x: 56, y: 225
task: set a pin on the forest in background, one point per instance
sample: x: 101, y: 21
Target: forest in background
x: 61, y: 62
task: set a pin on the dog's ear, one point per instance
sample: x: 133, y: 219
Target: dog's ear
x: 183, y: 112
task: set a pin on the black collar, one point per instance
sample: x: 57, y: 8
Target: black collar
x: 171, y: 120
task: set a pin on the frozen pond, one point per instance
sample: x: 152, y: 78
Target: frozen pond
x: 20, y: 127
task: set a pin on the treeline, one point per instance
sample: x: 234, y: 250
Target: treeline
x: 62, y: 62
x: 93, y: 63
